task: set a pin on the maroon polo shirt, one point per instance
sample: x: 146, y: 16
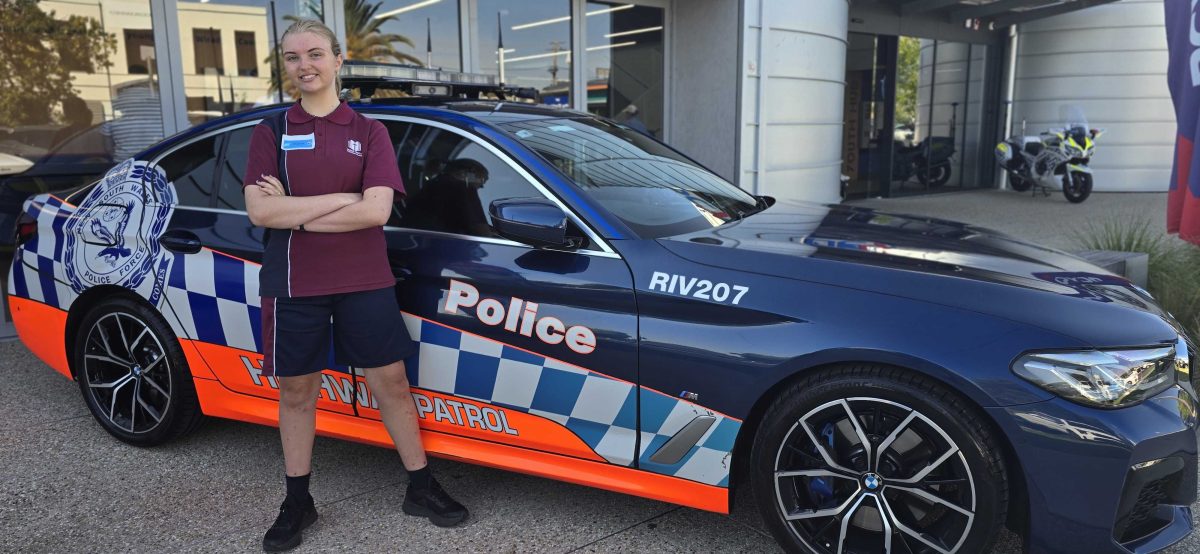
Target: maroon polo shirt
x: 341, y: 152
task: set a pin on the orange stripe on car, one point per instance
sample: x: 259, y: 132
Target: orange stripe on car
x: 43, y: 329
x: 195, y: 360
x: 240, y: 371
x: 218, y: 401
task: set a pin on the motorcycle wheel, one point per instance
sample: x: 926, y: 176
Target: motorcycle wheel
x: 937, y: 177
x: 1019, y: 183
x: 1077, y: 188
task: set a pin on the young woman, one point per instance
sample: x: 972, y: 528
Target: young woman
x: 325, y: 273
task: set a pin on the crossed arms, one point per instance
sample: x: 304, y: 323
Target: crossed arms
x: 268, y: 205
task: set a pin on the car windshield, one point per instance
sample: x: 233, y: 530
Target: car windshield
x: 654, y: 190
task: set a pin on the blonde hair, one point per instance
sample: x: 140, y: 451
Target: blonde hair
x: 318, y: 28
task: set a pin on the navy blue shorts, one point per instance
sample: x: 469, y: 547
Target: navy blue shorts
x: 365, y: 329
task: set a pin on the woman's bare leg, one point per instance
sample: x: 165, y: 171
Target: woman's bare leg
x: 298, y: 421
x: 390, y: 385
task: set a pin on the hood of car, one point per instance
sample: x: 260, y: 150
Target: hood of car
x: 795, y: 235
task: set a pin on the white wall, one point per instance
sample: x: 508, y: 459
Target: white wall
x: 1111, y: 60
x: 791, y: 147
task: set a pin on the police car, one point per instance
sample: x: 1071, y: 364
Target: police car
x: 593, y: 306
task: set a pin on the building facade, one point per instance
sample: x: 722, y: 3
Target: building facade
x: 779, y: 96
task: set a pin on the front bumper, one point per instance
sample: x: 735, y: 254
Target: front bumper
x: 1106, y: 480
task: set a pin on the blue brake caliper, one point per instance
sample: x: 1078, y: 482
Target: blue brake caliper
x: 820, y: 486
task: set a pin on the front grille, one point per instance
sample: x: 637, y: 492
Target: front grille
x: 1148, y: 494
x: 1141, y: 520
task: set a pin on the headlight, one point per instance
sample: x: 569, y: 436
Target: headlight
x: 1106, y: 378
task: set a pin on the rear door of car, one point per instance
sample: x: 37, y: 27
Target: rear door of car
x: 519, y: 346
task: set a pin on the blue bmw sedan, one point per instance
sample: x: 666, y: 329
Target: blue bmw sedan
x: 593, y: 306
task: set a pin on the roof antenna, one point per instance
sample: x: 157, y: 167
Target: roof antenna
x: 428, y: 44
x: 500, y: 45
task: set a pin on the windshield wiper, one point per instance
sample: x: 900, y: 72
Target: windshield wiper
x: 760, y: 204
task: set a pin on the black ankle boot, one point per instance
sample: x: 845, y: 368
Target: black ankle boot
x: 285, y: 533
x: 433, y: 502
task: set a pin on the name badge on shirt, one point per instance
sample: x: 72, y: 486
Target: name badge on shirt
x: 298, y: 142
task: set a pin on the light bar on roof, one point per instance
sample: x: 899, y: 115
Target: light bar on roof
x: 411, y: 73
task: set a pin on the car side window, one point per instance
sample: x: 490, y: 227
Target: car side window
x: 233, y: 169
x: 450, y: 181
x: 193, y: 170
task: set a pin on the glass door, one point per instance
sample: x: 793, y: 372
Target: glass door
x: 624, y: 64
x: 869, y: 116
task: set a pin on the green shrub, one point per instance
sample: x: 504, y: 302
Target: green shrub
x: 1174, y: 265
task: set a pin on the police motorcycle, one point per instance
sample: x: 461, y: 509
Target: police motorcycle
x: 929, y: 160
x: 1056, y: 159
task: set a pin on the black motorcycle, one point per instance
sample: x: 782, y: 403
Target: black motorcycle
x: 928, y: 160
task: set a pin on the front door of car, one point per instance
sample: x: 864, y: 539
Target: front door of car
x: 212, y: 287
x: 521, y: 346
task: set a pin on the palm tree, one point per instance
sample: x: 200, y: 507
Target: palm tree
x: 363, y: 39
x: 365, y: 42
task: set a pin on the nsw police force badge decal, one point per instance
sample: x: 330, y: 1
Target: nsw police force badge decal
x: 112, y: 238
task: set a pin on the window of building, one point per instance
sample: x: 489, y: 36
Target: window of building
x: 624, y: 60
x: 253, y: 27
x: 416, y: 33
x: 47, y: 124
x: 450, y: 180
x: 247, y: 64
x: 139, y: 50
x: 943, y: 108
x: 537, y: 45
x: 206, y: 44
x: 193, y: 168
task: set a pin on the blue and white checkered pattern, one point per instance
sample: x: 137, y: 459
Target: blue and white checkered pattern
x: 40, y: 275
x: 215, y: 300
x: 708, y: 461
x: 469, y: 366
x: 601, y: 410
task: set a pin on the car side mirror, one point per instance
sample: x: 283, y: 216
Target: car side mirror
x: 533, y: 221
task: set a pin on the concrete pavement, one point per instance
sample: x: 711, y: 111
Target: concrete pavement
x: 1048, y: 220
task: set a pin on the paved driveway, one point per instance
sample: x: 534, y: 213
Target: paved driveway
x: 1048, y: 220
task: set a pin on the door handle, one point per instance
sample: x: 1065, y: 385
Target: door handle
x: 181, y: 241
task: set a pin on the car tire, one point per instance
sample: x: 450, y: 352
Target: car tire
x: 932, y: 480
x: 133, y: 374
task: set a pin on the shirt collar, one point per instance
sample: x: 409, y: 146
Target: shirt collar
x: 342, y: 115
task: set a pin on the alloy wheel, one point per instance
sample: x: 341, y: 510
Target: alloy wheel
x: 127, y: 373
x: 867, y: 474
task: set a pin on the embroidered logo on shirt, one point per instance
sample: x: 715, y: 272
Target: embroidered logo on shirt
x: 354, y: 147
